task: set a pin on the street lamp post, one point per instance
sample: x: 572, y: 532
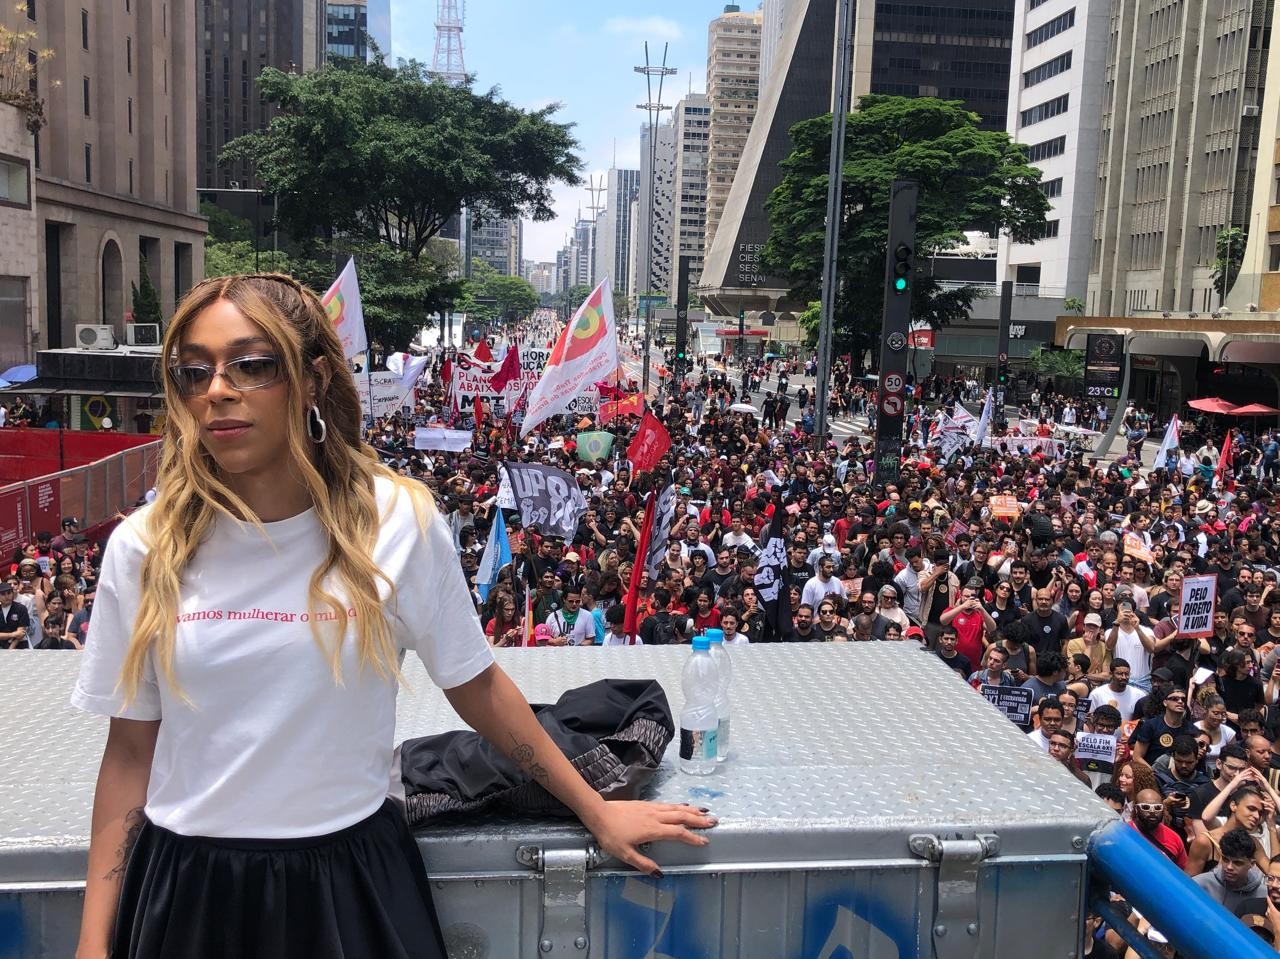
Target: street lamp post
x: 653, y: 108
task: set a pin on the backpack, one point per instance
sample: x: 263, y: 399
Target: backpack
x: 665, y: 632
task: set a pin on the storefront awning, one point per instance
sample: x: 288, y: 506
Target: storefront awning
x: 52, y: 387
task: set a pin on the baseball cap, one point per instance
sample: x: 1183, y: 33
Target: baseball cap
x: 914, y: 632
x: 1162, y: 673
x: 915, y: 504
x: 6, y: 586
x: 1093, y: 619
x: 70, y: 521
x: 572, y: 557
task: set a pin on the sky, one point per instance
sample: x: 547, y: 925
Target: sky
x: 577, y: 53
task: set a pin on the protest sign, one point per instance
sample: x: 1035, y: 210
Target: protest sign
x: 1195, y: 611
x: 387, y: 393
x: 1013, y: 701
x: 1004, y: 506
x: 439, y: 438
x: 956, y: 529
x: 1096, y: 748
x: 1135, y: 547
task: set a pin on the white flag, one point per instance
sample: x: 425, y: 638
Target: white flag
x: 1172, y: 439
x: 984, y: 421
x: 586, y: 352
x: 342, y: 304
x: 965, y: 420
x: 408, y: 368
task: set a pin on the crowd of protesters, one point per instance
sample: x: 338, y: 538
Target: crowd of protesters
x: 1075, y: 596
x: 47, y: 589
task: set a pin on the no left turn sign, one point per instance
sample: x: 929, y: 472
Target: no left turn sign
x: 891, y: 405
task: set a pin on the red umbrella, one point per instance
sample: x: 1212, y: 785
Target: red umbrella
x: 1211, y: 404
x: 1255, y: 409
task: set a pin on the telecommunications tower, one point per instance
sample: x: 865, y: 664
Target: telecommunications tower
x: 447, y: 62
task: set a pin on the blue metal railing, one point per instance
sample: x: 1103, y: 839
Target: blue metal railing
x: 1196, y: 925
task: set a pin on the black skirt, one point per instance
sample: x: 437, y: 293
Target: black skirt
x: 360, y: 892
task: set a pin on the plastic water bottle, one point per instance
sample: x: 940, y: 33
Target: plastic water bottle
x: 698, y: 720
x: 724, y: 673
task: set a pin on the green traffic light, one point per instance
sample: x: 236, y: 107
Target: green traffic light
x: 900, y: 284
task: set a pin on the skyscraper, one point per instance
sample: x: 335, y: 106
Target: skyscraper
x: 655, y: 255
x: 773, y: 15
x: 499, y: 243
x: 956, y: 51
x: 733, y: 87
x: 614, y: 232
x: 1179, y: 149
x: 692, y: 121
x: 347, y: 29
x: 1055, y: 108
x: 236, y: 40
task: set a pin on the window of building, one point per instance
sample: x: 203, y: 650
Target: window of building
x: 31, y: 9
x: 1043, y: 111
x: 1036, y: 3
x: 1047, y: 149
x: 129, y: 108
x: 36, y: 151
x: 1274, y: 266
x: 33, y: 73
x: 128, y: 55
x: 131, y: 178
x: 88, y: 163
x: 1052, y: 188
x: 1046, y: 70
x: 1051, y: 29
x: 84, y: 29
x: 1048, y: 231
x: 85, y: 93
x: 15, y: 182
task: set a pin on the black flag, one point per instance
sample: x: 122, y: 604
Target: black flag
x: 770, y: 583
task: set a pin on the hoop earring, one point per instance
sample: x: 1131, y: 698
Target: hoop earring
x: 316, y: 424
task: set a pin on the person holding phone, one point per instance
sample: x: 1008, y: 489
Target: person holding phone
x: 1129, y: 640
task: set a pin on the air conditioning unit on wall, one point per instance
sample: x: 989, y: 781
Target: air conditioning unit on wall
x: 95, y: 336
x: 142, y: 334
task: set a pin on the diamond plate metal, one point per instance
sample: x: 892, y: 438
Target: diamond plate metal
x: 841, y: 752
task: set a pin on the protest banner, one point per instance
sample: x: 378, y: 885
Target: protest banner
x: 1195, y: 611
x: 439, y: 438
x: 387, y: 393
x: 1004, y: 506
x: 1014, y: 701
x: 549, y: 499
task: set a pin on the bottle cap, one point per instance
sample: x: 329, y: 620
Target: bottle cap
x: 701, y: 642
x: 715, y: 635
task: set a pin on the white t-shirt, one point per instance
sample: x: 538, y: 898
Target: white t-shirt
x: 1129, y: 648
x: 1125, y: 700
x: 272, y: 747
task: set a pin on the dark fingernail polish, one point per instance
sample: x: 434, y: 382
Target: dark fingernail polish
x: 659, y: 874
x: 704, y: 809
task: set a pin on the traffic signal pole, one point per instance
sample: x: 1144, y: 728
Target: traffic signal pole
x: 891, y: 398
x: 1002, y: 349
x: 835, y: 205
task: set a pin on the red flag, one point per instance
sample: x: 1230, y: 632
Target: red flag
x: 480, y: 412
x: 609, y: 392
x: 1224, y: 461
x: 632, y: 405
x: 631, y: 624
x: 528, y: 616
x: 482, y: 352
x: 446, y: 371
x: 508, y: 371
x: 649, y: 445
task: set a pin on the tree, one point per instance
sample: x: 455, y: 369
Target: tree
x: 514, y: 299
x: 569, y: 300
x: 146, y: 301
x: 1073, y: 304
x: 389, y: 154
x: 1060, y: 364
x: 1229, y: 247
x: 969, y: 178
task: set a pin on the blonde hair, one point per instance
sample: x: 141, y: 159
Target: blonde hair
x: 338, y: 473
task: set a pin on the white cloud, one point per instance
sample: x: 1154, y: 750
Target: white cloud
x: 644, y: 28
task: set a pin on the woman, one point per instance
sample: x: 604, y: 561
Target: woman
x: 1071, y: 605
x: 705, y: 614
x: 504, y: 628
x: 1250, y: 805
x: 1001, y: 608
x: 270, y: 507
x: 890, y: 609
x: 1215, y: 723
x: 829, y: 628
x: 1133, y: 777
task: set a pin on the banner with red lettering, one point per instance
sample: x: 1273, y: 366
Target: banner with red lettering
x: 632, y: 405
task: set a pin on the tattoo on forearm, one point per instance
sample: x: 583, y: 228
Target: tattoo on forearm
x: 522, y: 753
x: 133, y: 821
